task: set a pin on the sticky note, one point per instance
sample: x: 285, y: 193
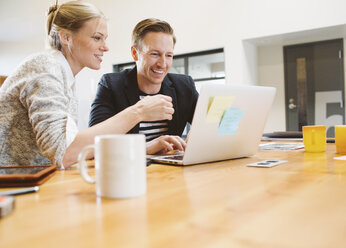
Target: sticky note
x: 218, y: 105
x: 230, y: 121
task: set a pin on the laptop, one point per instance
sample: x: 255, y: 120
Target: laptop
x: 228, y: 123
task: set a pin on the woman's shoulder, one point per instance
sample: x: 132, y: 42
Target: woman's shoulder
x: 33, y: 67
x: 39, y: 60
x: 39, y: 64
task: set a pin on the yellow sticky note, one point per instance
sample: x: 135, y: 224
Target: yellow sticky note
x: 217, y: 108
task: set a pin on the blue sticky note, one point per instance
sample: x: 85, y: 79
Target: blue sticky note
x: 230, y: 121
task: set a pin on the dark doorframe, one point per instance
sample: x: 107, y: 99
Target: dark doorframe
x: 314, y: 85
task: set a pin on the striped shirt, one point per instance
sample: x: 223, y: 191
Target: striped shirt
x: 152, y: 129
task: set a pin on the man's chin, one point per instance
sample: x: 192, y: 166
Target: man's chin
x: 157, y: 80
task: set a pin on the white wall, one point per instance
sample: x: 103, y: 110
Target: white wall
x: 199, y: 25
x: 13, y: 52
x: 271, y: 73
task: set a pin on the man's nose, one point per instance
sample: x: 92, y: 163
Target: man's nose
x: 162, y: 61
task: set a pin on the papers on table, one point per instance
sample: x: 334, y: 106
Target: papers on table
x: 280, y: 146
x: 340, y: 158
x: 282, y: 139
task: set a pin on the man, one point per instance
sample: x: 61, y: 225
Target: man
x: 150, y: 85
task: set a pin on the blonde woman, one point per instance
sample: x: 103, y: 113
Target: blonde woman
x: 38, y: 105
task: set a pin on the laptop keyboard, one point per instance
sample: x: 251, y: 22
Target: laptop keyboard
x: 175, y: 157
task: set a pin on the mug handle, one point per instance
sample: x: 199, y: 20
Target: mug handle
x: 82, y: 165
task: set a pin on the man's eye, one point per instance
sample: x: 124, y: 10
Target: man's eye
x: 169, y: 55
x: 154, y: 54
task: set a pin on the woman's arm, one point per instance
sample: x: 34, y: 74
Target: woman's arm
x: 151, y: 108
x: 118, y: 124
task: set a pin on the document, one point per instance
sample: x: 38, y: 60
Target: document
x: 340, y: 158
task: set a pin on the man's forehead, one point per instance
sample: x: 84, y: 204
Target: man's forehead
x: 153, y: 36
x: 157, y: 41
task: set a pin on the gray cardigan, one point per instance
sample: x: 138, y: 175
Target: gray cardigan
x: 36, y: 102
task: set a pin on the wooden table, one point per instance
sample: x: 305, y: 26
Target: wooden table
x: 301, y: 203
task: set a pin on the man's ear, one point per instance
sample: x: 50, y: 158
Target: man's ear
x: 65, y: 37
x: 134, y: 53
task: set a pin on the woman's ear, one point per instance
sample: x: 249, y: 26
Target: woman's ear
x: 134, y: 53
x: 65, y: 37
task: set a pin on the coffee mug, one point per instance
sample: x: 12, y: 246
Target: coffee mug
x: 340, y: 139
x: 314, y: 138
x: 120, y: 165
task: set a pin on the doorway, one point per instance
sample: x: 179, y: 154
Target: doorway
x: 314, y: 85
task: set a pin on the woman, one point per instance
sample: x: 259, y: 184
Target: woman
x: 38, y: 111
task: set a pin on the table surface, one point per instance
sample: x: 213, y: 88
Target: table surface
x: 301, y: 203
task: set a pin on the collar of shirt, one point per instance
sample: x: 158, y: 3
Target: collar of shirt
x: 71, y: 80
x: 143, y: 94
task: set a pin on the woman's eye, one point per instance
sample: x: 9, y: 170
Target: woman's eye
x: 96, y: 38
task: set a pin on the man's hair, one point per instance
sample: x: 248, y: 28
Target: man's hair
x: 150, y: 25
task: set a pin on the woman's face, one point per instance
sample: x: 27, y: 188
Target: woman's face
x: 87, y: 46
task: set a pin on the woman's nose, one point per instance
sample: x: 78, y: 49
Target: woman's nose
x: 104, y: 48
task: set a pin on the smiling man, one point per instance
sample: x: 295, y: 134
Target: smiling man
x: 170, y: 97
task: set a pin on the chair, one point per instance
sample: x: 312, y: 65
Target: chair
x: 2, y: 79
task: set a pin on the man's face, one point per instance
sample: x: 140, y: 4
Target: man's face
x: 154, y: 58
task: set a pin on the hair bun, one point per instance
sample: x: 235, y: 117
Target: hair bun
x: 53, y: 8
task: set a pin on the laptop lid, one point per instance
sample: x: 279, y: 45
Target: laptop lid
x: 228, y: 123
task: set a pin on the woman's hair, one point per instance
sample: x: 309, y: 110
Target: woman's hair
x: 70, y: 16
x: 150, y: 25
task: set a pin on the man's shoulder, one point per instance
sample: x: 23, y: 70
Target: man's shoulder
x: 176, y: 76
x: 116, y: 75
x: 180, y: 80
x: 116, y: 79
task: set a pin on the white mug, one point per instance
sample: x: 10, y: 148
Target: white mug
x: 120, y: 165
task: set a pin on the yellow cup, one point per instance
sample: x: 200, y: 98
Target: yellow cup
x: 340, y: 139
x: 314, y: 138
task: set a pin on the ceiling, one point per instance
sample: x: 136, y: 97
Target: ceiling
x: 305, y: 36
x: 26, y: 24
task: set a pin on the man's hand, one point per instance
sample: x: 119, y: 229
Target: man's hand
x: 165, y: 143
x: 155, y: 108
